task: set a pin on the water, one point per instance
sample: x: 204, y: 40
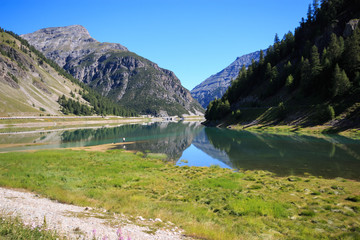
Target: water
x: 195, y: 145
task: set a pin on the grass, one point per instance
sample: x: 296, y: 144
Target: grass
x: 208, y: 203
x: 46, y: 123
x: 292, y: 129
x: 13, y: 228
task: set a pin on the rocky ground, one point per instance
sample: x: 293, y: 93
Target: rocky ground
x: 76, y: 222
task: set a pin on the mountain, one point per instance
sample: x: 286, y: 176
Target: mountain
x: 308, y: 78
x: 115, y: 72
x: 28, y: 85
x: 215, y: 86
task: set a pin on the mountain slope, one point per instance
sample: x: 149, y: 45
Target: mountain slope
x: 306, y: 79
x: 215, y: 86
x: 29, y: 86
x: 115, y: 72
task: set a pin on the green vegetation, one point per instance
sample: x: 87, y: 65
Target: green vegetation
x: 13, y: 78
x: 317, y: 67
x: 101, y: 105
x: 211, y: 203
x: 74, y: 107
x: 15, y: 229
x: 217, y: 109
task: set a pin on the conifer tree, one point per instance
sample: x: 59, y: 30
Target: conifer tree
x: 268, y: 72
x: 309, y: 14
x: 315, y: 7
x: 352, y: 54
x: 316, y: 67
x: 334, y: 49
x: 289, y: 81
x: 340, y: 82
x: 305, y: 76
x: 276, y: 38
x: 261, y: 61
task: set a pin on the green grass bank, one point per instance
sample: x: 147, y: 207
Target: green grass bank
x: 208, y: 203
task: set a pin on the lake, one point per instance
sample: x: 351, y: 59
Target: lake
x: 192, y: 144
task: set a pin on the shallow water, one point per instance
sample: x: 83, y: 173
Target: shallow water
x: 192, y: 144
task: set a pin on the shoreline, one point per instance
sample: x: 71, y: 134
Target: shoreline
x: 77, y: 222
x: 353, y: 133
x: 57, y: 123
x: 250, y: 204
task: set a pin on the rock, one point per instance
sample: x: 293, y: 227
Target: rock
x: 141, y: 218
x: 158, y: 220
x: 350, y: 27
x: 215, y: 86
x: 114, y: 71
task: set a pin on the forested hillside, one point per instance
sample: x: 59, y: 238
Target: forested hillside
x: 306, y: 78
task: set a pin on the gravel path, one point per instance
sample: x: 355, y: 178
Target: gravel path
x: 78, y: 222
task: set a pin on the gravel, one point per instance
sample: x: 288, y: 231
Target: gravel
x: 74, y: 222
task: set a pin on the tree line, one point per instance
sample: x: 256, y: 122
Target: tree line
x: 310, y: 64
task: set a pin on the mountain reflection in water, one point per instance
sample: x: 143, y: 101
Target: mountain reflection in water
x: 326, y: 156
x: 329, y: 156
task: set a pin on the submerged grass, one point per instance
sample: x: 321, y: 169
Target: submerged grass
x: 209, y: 203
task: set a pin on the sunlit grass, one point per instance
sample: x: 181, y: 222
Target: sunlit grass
x: 211, y: 203
x: 13, y: 228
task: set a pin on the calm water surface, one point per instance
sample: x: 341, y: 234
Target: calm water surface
x: 195, y: 145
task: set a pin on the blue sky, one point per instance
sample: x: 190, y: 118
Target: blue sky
x: 193, y: 38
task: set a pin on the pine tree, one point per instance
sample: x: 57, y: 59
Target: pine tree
x: 309, y: 14
x: 340, y: 82
x: 287, y: 68
x: 289, y: 81
x: 315, y: 7
x: 334, y: 49
x: 305, y: 76
x: 352, y: 54
x: 268, y: 72
x: 316, y: 67
x: 261, y: 61
x: 276, y: 38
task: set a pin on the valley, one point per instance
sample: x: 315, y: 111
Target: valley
x: 100, y: 137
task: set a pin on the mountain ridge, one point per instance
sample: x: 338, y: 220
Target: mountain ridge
x: 215, y: 86
x: 115, y: 72
x: 28, y: 85
x: 308, y: 78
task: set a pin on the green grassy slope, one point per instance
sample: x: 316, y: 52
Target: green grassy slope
x: 29, y: 86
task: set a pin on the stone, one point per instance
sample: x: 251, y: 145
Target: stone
x: 115, y: 72
x: 216, y: 85
x: 350, y: 27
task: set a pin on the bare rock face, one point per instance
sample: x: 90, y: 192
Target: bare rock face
x: 215, y: 86
x: 63, y: 43
x: 111, y: 69
x: 350, y: 27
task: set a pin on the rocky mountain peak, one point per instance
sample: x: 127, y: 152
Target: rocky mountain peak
x: 73, y: 31
x: 115, y: 72
x: 215, y: 86
x: 73, y: 41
